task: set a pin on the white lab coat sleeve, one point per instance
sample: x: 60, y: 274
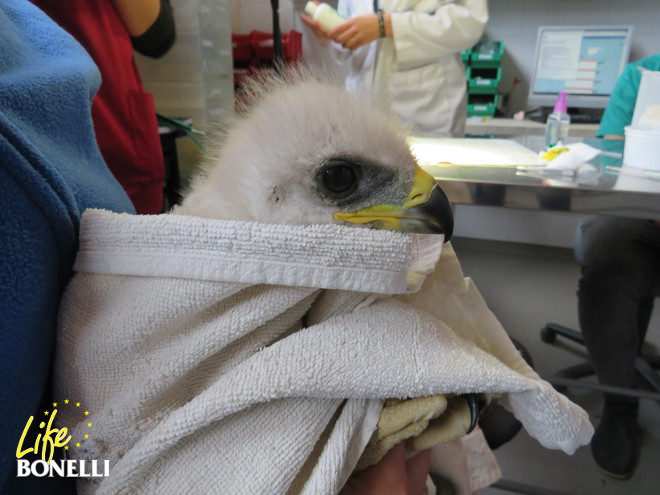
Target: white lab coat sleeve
x: 424, y: 37
x: 338, y: 53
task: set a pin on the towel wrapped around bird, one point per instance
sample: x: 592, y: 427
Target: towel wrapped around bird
x: 259, y: 341
x: 257, y: 356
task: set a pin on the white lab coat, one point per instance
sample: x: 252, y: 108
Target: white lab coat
x: 419, y: 70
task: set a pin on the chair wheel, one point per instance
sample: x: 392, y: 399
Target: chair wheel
x: 548, y: 335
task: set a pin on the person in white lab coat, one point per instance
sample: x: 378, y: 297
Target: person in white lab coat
x: 411, y: 56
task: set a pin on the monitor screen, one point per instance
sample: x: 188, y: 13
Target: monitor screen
x: 584, y: 61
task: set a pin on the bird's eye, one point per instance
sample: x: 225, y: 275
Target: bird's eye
x: 339, y: 178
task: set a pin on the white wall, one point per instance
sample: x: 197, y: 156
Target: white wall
x: 195, y: 78
x: 248, y: 15
x: 516, y: 22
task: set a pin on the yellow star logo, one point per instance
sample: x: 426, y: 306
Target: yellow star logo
x: 66, y: 447
x: 54, y: 404
x: 77, y: 404
x: 78, y: 444
x: 89, y: 425
x: 66, y: 401
x: 86, y: 413
x: 46, y: 413
x: 86, y: 436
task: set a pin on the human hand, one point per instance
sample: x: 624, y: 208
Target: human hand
x: 356, y: 31
x: 392, y: 475
x: 315, y: 26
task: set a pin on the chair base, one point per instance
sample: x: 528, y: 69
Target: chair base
x: 645, y: 365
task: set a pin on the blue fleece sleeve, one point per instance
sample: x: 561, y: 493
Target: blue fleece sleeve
x: 50, y: 171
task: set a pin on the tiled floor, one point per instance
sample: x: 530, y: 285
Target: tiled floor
x: 527, y: 286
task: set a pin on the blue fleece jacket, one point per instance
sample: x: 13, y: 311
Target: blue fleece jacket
x: 50, y: 171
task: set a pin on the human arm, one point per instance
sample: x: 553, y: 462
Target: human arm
x: 360, y: 30
x: 50, y: 170
x: 150, y: 23
x: 137, y: 16
x: 420, y: 37
x: 424, y: 37
x: 621, y: 106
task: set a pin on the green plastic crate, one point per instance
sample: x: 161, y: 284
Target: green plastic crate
x: 483, y: 79
x: 465, y: 58
x: 481, y: 104
x: 487, y: 54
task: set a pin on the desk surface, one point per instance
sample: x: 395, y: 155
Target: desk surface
x: 506, y: 186
x: 513, y: 127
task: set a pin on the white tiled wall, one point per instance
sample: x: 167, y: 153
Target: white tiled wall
x: 516, y: 22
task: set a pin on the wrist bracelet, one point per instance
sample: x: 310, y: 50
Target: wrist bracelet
x: 381, y: 23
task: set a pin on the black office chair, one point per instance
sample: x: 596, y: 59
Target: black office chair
x: 645, y: 364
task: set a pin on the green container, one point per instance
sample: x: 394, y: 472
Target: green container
x: 481, y: 104
x: 465, y: 57
x: 483, y: 79
x: 487, y: 54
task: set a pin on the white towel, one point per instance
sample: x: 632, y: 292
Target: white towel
x: 183, y: 337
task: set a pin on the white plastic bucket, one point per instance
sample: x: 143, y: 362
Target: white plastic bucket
x: 642, y: 148
x: 641, y: 152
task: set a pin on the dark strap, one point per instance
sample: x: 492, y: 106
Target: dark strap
x: 278, y: 49
x: 375, y: 5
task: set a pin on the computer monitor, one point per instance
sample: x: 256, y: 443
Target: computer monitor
x: 584, y: 61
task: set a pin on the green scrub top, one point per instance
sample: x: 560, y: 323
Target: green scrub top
x: 620, y: 109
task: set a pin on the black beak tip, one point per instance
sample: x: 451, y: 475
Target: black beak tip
x: 435, y: 216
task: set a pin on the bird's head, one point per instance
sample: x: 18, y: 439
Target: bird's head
x: 309, y: 152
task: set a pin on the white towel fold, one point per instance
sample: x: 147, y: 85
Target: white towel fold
x: 183, y: 337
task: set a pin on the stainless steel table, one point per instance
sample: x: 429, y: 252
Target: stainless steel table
x: 513, y: 127
x: 506, y: 186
